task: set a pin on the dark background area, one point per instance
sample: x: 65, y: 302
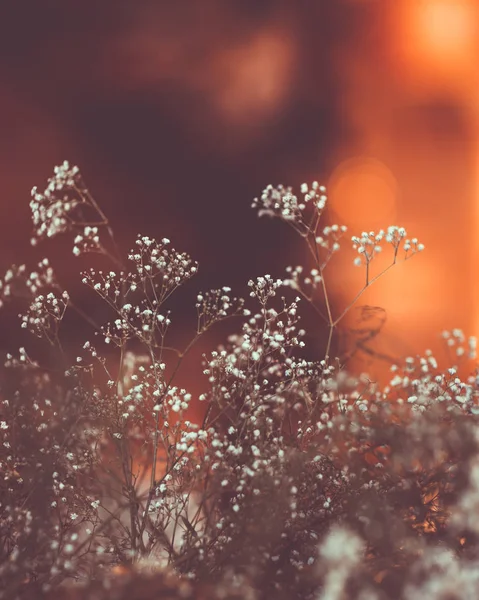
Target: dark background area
x: 133, y: 94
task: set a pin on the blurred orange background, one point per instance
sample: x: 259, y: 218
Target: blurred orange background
x: 179, y: 114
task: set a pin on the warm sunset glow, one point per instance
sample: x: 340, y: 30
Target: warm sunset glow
x: 437, y: 40
x: 446, y: 27
x: 363, y: 193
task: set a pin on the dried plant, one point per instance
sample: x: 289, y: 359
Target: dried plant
x: 300, y: 481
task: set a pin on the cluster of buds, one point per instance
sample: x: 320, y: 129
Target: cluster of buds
x: 154, y: 260
x: 297, y: 281
x: 87, y: 241
x: 456, y: 340
x: 23, y: 360
x: 369, y: 244
x: 45, y: 313
x: 281, y: 202
x: 264, y: 288
x: 117, y: 332
x: 16, y: 281
x: 315, y: 193
x: 143, y: 323
x: 107, y: 285
x: 51, y: 208
x: 215, y: 305
x: 329, y: 240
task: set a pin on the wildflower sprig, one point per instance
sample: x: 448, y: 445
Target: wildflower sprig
x: 422, y: 383
x: 329, y: 240
x: 45, y: 314
x: 53, y: 209
x: 368, y: 245
x: 304, y: 216
x: 66, y: 206
x: 459, y: 348
x: 19, y: 283
x: 281, y: 202
x: 215, y: 305
x: 160, y: 269
x: 264, y: 288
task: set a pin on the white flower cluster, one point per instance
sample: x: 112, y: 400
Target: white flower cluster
x: 155, y: 261
x: 316, y: 193
x: 47, y: 301
x: 177, y: 400
x: 215, y: 305
x: 281, y: 202
x: 117, y: 332
x: 297, y: 282
x: 329, y: 240
x: 107, y: 285
x: 138, y: 296
x: 45, y: 313
x: 456, y: 340
x: 141, y: 388
x: 17, y: 282
x: 87, y: 241
x: 51, y: 209
x: 421, y: 383
x: 369, y: 243
x: 23, y: 360
x: 136, y: 321
x: 264, y: 288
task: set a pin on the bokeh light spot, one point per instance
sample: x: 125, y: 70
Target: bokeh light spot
x: 438, y: 40
x: 363, y: 193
